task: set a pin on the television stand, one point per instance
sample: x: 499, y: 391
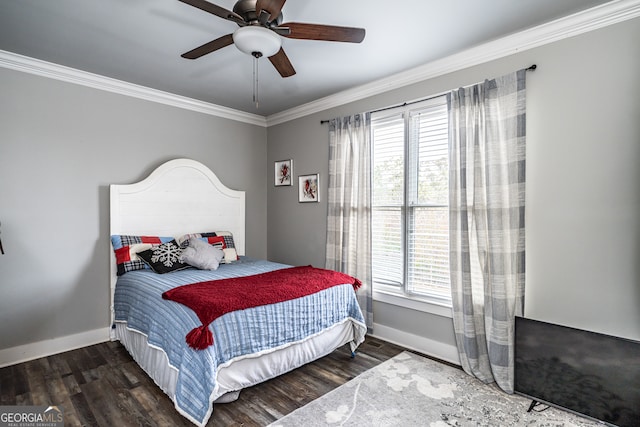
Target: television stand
x: 535, y: 403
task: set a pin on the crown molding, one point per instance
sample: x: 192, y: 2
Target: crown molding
x: 563, y: 28
x: 50, y: 70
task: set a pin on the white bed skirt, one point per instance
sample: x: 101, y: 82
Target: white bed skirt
x: 241, y: 372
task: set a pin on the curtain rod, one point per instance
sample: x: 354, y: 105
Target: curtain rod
x: 322, y: 122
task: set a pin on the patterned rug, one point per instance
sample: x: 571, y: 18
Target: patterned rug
x: 410, y: 390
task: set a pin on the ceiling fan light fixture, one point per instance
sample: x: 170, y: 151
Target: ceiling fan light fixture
x: 252, y: 39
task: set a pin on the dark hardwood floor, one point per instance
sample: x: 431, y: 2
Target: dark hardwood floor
x: 101, y: 385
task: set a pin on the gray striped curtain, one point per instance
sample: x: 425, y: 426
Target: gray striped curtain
x: 487, y: 234
x: 349, y: 204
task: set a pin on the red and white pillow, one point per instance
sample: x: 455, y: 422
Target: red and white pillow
x: 126, y: 249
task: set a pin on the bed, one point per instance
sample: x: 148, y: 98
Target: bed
x: 183, y: 197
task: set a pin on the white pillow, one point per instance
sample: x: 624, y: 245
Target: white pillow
x: 201, y: 255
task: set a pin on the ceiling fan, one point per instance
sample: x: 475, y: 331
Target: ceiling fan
x: 261, y: 26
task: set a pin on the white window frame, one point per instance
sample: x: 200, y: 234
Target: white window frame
x: 400, y: 295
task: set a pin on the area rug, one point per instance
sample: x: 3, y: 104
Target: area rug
x: 410, y: 390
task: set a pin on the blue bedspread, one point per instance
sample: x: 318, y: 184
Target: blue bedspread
x: 138, y: 302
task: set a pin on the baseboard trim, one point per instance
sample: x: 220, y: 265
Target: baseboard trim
x: 36, y: 350
x: 436, y: 349
x: 27, y: 352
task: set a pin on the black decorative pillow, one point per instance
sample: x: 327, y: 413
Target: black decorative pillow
x: 164, y: 258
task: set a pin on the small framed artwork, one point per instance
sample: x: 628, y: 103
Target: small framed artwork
x: 309, y: 188
x: 283, y: 172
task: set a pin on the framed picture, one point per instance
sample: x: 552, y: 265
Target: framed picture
x: 309, y: 188
x: 283, y: 172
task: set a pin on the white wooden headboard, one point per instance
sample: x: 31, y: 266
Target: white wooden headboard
x: 179, y: 197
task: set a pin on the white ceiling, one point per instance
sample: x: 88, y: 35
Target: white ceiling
x: 140, y: 41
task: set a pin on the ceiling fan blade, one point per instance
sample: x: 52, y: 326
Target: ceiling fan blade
x: 206, y: 48
x: 281, y: 61
x: 215, y: 10
x: 331, y: 33
x: 274, y: 7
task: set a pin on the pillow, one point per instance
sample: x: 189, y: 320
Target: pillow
x: 219, y: 239
x: 126, y: 249
x: 230, y: 255
x: 164, y: 258
x: 201, y: 255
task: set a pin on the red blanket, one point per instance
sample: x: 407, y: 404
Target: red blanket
x: 211, y: 299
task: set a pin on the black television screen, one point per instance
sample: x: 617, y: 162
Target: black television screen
x: 585, y: 372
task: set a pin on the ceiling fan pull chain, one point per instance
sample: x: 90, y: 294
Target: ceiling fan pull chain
x: 255, y: 80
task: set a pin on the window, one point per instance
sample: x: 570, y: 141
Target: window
x: 410, y: 212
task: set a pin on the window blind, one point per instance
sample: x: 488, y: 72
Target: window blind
x: 410, y: 200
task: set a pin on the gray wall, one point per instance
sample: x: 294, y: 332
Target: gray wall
x: 583, y: 184
x: 61, y: 145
